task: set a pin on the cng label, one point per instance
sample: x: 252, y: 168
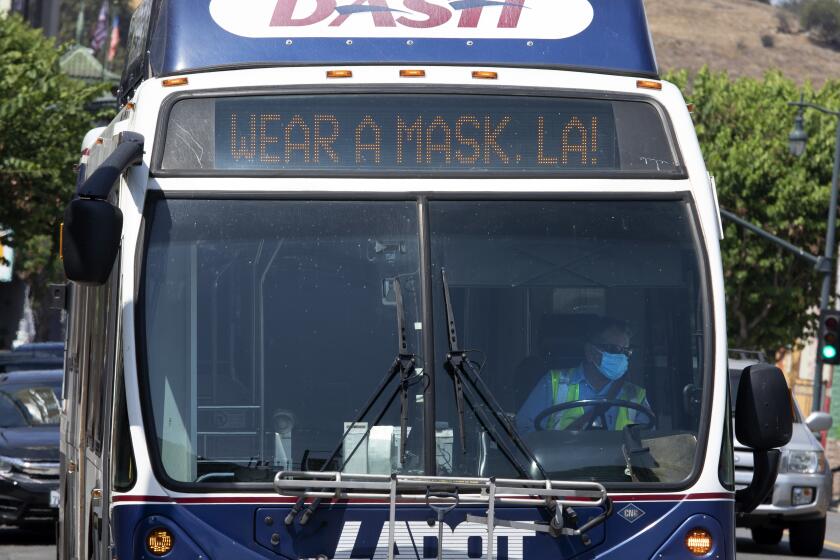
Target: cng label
x: 455, y: 19
x: 631, y: 513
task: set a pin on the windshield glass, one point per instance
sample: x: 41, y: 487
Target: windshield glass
x: 26, y: 404
x: 566, y: 303
x: 735, y: 381
x: 269, y: 324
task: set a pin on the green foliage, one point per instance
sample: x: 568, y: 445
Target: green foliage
x: 822, y: 19
x: 42, y: 121
x: 743, y: 126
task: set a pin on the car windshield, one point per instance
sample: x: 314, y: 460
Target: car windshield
x: 735, y: 380
x: 29, y: 404
x: 268, y: 324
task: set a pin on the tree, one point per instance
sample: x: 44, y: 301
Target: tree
x: 743, y: 127
x: 42, y: 121
x: 822, y: 19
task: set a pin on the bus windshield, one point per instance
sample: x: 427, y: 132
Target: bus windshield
x: 268, y: 324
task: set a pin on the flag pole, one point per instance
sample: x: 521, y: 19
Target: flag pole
x: 80, y: 22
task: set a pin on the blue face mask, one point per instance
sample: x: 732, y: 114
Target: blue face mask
x: 613, y: 366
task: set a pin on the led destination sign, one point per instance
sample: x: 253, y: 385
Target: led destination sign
x: 392, y: 133
x: 414, y: 133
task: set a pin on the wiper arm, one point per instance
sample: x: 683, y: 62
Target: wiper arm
x: 404, y: 365
x: 460, y: 368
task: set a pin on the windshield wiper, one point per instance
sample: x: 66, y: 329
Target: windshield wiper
x: 404, y: 366
x: 461, y: 369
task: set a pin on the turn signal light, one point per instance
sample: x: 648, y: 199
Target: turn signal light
x: 160, y: 541
x: 412, y: 73
x: 339, y: 73
x: 648, y: 84
x: 484, y: 75
x: 173, y: 82
x: 698, y: 542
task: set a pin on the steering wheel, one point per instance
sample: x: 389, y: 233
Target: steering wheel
x: 606, y: 403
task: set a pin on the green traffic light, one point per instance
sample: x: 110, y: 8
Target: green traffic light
x: 829, y: 352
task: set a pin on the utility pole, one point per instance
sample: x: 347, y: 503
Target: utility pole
x: 797, y: 141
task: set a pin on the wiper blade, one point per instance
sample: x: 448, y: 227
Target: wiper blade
x: 404, y: 366
x: 461, y: 369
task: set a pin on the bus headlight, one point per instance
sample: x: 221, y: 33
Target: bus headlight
x: 698, y: 542
x: 803, y: 462
x: 159, y: 541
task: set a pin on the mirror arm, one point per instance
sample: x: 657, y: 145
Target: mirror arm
x: 128, y: 152
x: 765, y: 469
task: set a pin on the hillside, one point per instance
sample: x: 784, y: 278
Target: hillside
x: 727, y: 35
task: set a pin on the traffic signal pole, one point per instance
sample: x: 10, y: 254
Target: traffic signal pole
x: 822, y: 264
x: 828, y: 257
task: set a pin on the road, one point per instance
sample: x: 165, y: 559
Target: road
x: 748, y: 550
x: 24, y: 545
x: 27, y: 545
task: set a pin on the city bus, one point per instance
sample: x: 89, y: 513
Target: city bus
x: 392, y: 279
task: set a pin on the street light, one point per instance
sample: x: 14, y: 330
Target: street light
x: 796, y: 144
x: 798, y: 137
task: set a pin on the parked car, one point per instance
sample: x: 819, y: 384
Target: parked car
x: 33, y: 356
x: 800, y: 498
x: 29, y: 438
x: 55, y: 349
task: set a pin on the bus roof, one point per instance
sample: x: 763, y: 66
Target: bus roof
x: 607, y: 36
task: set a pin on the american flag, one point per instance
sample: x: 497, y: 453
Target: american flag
x: 100, y: 32
x: 115, y: 38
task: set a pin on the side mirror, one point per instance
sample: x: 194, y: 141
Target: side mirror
x: 91, y: 239
x: 819, y: 421
x: 763, y: 411
x: 763, y: 421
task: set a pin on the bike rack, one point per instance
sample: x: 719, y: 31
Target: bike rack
x: 557, y: 496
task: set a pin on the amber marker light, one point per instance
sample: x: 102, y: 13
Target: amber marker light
x: 129, y: 106
x: 159, y: 541
x: 484, y: 75
x: 412, y: 73
x: 698, y: 542
x: 648, y: 84
x: 175, y: 82
x: 339, y: 73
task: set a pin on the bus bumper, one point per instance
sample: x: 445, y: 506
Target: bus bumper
x: 220, y: 528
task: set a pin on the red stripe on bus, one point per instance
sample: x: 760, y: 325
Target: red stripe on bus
x: 290, y: 500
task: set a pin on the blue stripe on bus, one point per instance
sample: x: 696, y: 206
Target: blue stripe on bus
x: 245, y: 531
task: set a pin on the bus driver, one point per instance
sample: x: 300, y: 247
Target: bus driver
x: 599, y: 377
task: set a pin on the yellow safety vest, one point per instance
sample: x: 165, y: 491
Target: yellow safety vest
x: 561, y: 420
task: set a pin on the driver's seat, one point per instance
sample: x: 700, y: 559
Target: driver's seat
x: 560, y: 340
